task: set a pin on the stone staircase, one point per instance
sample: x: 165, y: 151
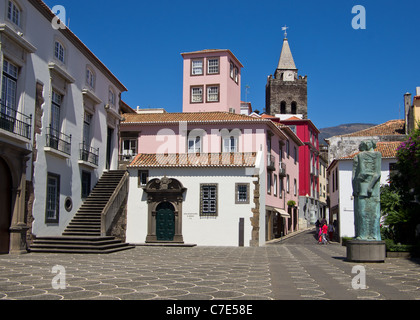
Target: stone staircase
x: 85, y: 232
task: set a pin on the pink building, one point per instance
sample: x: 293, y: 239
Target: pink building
x: 212, y: 81
x: 210, y: 175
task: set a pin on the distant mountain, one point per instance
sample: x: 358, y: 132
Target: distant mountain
x: 342, y: 129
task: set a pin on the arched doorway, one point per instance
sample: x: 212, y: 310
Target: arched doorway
x: 165, y: 222
x: 5, y: 206
x: 164, y: 198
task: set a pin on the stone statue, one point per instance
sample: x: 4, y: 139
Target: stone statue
x: 366, y: 192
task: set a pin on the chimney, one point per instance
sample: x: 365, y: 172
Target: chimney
x: 418, y: 91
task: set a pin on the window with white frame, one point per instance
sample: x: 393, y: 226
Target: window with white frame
x: 14, y: 13
x: 287, y: 183
x: 295, y: 187
x: 212, y: 65
x: 241, y: 193
x: 197, y: 67
x: 129, y: 148
x: 212, y: 93
x: 90, y: 78
x: 53, y: 198
x: 196, y: 94
x: 194, y: 144
x: 143, y: 177
x: 269, y: 182
x: 208, y: 200
x: 230, y: 144
x: 275, y: 185
x: 59, y: 51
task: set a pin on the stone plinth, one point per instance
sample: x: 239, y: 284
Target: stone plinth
x: 366, y: 251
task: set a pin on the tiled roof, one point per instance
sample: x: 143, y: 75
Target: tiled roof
x: 387, y: 149
x: 187, y: 117
x: 180, y: 160
x: 392, y: 127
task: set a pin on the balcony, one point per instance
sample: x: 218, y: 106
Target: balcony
x: 58, y: 143
x: 88, y: 155
x: 282, y: 169
x: 271, y: 162
x: 15, y: 122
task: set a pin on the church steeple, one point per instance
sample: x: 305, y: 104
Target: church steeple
x: 286, y: 92
x: 286, y: 61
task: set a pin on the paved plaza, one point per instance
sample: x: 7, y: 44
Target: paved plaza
x: 293, y: 269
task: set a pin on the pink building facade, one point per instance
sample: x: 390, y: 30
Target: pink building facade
x: 212, y: 81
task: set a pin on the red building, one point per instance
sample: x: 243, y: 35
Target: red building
x: 308, y: 167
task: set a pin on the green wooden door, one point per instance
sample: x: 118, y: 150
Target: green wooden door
x: 165, y: 224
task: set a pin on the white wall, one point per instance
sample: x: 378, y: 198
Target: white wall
x: 222, y: 230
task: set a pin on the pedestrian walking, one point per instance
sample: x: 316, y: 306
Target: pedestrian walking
x: 324, y: 231
x: 330, y: 231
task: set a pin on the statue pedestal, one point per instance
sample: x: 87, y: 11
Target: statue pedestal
x: 366, y: 251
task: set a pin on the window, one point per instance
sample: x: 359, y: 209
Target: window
x: 275, y: 185
x: 197, y: 67
x: 231, y: 70
x: 296, y: 154
x: 230, y: 144
x: 14, y: 13
x: 143, y: 176
x: 90, y: 78
x: 213, y: 94
x: 111, y: 97
x: 295, y: 187
x: 196, y: 94
x: 87, y: 120
x: 288, y: 148
x: 208, y: 201
x: 213, y: 66
x: 53, y: 198
x: 55, y: 123
x: 9, y: 89
x: 86, y: 178
x: 194, y: 144
x: 236, y: 74
x: 281, y: 188
x: 128, y: 149
x: 59, y: 51
x: 287, y: 184
x: 55, y: 112
x: 269, y: 182
x: 242, y: 193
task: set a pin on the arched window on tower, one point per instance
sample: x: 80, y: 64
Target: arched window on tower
x: 294, y: 107
x: 283, y: 107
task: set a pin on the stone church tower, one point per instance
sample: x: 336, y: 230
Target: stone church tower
x: 286, y: 92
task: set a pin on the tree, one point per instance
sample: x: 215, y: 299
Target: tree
x: 402, y: 198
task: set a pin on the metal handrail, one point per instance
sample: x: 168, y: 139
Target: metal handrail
x: 15, y: 122
x: 58, y: 140
x: 88, y: 154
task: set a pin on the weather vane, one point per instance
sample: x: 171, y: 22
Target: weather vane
x: 285, y: 31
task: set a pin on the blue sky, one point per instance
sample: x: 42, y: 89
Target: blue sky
x: 353, y: 75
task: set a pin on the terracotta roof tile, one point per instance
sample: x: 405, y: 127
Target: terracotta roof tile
x: 392, y: 127
x: 387, y: 149
x: 180, y: 160
x: 186, y: 116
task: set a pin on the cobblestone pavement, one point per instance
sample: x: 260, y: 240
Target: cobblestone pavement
x: 294, y: 269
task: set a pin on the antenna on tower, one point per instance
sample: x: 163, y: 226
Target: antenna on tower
x: 246, y: 92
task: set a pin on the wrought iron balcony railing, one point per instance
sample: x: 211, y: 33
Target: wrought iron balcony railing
x: 58, y: 140
x: 15, y: 122
x: 88, y: 154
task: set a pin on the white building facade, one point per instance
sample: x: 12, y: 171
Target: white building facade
x: 72, y: 101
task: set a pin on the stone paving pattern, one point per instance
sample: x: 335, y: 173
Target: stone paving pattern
x: 297, y: 269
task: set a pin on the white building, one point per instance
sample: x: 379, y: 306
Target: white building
x: 340, y: 174
x: 69, y: 101
x: 213, y: 203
